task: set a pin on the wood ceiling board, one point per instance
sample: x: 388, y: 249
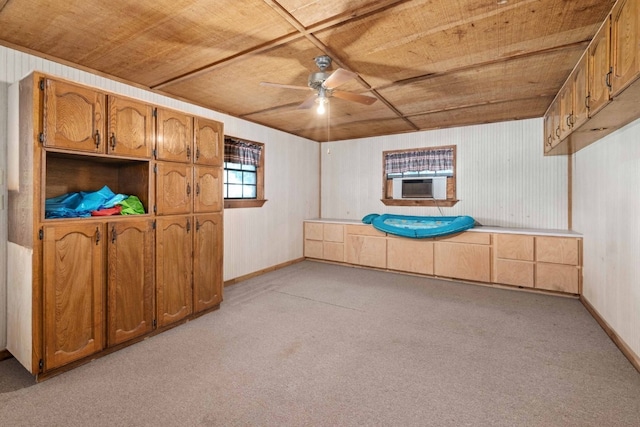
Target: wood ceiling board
x: 526, y: 77
x: 339, y: 112
x: 145, y: 42
x: 422, y: 37
x: 236, y: 89
x: 313, y: 12
x: 488, y: 113
x: 356, y: 130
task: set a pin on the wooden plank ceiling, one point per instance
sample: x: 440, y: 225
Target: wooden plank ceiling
x: 429, y: 63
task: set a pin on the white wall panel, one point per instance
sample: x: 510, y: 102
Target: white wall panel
x: 606, y: 211
x: 503, y: 179
x: 4, y: 90
x: 255, y: 238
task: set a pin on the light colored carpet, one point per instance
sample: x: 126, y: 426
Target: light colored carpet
x: 323, y: 345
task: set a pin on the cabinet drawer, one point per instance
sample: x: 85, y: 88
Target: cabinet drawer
x: 313, y: 249
x: 558, y: 277
x: 468, y: 237
x: 463, y: 261
x: 333, y: 233
x: 557, y: 250
x: 366, y: 250
x: 514, y: 246
x: 313, y: 230
x: 414, y: 256
x: 364, y: 230
x: 518, y: 273
x: 333, y: 251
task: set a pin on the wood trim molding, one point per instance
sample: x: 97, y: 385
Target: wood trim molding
x: 405, y: 202
x: 5, y: 354
x: 246, y: 203
x: 619, y: 342
x: 261, y: 272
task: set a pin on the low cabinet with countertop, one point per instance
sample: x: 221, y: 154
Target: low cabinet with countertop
x: 535, y: 259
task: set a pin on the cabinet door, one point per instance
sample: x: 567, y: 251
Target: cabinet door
x: 414, y: 256
x: 73, y: 280
x: 599, y: 64
x: 463, y: 261
x: 209, y: 142
x: 566, y: 109
x: 130, y: 280
x: 207, y: 261
x: 175, y: 136
x: 366, y: 250
x: 173, y: 269
x: 173, y: 188
x: 208, y: 189
x: 624, y: 43
x: 130, y: 130
x: 580, y: 84
x: 73, y: 117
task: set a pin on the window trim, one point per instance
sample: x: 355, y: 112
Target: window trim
x: 259, y: 201
x: 387, y: 188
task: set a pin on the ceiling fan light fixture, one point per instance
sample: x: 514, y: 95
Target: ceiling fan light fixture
x: 321, y: 105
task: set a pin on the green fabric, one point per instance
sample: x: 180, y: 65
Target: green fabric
x: 131, y: 206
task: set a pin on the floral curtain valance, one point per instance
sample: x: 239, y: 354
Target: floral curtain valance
x: 419, y: 160
x: 244, y: 152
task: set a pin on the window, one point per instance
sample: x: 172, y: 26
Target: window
x: 420, y: 163
x: 243, y: 183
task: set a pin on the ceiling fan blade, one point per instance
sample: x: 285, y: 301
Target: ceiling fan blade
x: 338, y: 77
x: 285, y: 86
x: 350, y: 96
x: 308, y: 103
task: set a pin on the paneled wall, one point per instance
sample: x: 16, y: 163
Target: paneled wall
x: 606, y: 209
x: 503, y: 179
x: 255, y: 238
x: 3, y: 215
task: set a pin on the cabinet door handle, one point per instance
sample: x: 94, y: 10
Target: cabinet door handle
x: 97, y: 236
x: 113, y: 234
x: 113, y: 141
x: 197, y: 153
x: 188, y: 189
x: 188, y: 226
x: 587, y: 99
x: 607, y: 78
x: 188, y: 152
x: 558, y: 131
x: 97, y: 139
x: 197, y: 225
x: 197, y: 189
x: 549, y: 140
x: 570, y: 120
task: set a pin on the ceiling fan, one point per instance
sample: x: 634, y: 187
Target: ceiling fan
x: 325, y: 84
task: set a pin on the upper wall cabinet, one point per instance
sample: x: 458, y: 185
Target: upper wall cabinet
x: 624, y: 45
x: 73, y: 117
x: 175, y: 136
x: 209, y: 142
x: 611, y: 73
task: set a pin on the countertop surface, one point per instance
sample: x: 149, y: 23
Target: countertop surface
x: 477, y: 229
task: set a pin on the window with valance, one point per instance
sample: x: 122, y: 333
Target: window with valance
x: 243, y: 184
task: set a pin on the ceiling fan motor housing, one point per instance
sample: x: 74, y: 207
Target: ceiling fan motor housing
x: 316, y: 79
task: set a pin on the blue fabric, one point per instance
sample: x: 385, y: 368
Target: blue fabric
x: 79, y: 205
x: 419, y: 227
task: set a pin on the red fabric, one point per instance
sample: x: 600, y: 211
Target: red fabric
x: 108, y: 211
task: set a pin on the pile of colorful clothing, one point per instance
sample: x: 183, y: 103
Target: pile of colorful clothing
x: 96, y: 203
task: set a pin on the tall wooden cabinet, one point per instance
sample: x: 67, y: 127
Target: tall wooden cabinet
x: 104, y: 281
